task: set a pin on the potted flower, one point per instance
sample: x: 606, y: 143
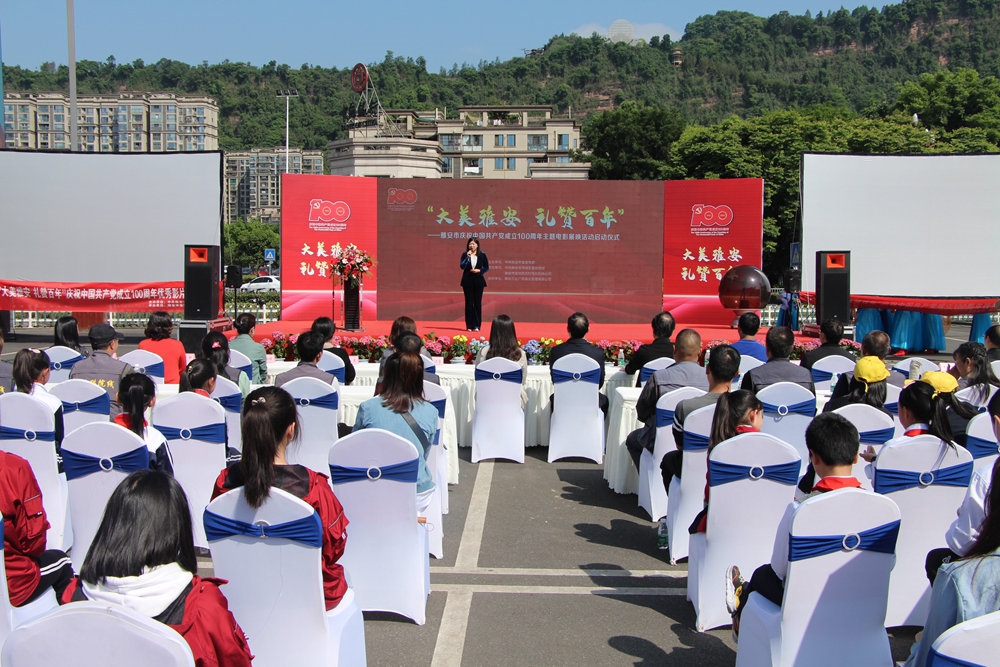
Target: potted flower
x: 458, y: 349
x: 281, y: 346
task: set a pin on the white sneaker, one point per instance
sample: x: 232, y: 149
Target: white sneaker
x: 734, y: 583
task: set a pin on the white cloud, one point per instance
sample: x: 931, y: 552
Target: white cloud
x: 641, y: 31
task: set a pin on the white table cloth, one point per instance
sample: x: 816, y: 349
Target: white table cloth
x: 619, y: 471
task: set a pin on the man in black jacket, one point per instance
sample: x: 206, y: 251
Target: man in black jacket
x: 578, y: 325
x: 663, y: 329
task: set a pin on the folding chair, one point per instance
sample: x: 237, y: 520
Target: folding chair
x: 981, y: 441
x: 242, y: 362
x: 333, y: 365
x: 227, y: 394
x: 437, y: 463
x: 61, y: 362
x: 10, y: 616
x: 788, y: 409
x: 687, y: 493
x: 651, y: 367
x: 827, y: 371
x: 875, y: 428
x: 903, y: 366
x: 577, y: 426
x: 318, y: 405
x: 83, y: 403
x: 979, y: 395
x: 145, y: 362
x: 498, y: 420
x: 892, y: 405
x: 746, y: 363
x: 973, y: 642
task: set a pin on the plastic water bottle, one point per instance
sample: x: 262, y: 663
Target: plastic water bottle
x: 621, y: 357
x: 661, y: 533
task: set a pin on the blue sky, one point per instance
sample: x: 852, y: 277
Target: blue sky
x: 337, y: 34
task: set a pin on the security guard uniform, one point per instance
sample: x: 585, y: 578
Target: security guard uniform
x: 105, y: 371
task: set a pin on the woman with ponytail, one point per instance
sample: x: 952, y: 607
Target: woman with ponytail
x: 137, y: 393
x: 270, y: 424
x: 30, y: 373
x: 199, y: 377
x: 215, y: 348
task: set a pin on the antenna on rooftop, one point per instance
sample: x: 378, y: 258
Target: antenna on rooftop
x: 368, y: 112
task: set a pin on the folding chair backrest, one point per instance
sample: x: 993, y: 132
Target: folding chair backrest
x: 227, y: 394
x: 687, y: 494
x: 980, y: 439
x: 652, y: 366
x: 429, y: 366
x: 903, y: 366
x: 498, y: 420
x: 973, y: 642
x: 577, y: 426
x: 746, y: 363
x: 61, y: 362
x: 318, y: 405
x: 875, y: 428
x: 332, y: 364
x: 892, y: 405
x: 827, y: 371
x: 83, y: 403
x: 241, y: 362
x: 788, y: 409
x: 145, y: 362
x: 979, y: 395
x: 665, y: 406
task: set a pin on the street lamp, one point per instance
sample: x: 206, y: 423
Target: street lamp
x: 287, y: 94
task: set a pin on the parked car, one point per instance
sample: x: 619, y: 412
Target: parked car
x: 262, y: 284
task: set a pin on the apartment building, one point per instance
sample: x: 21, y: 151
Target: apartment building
x: 252, y: 181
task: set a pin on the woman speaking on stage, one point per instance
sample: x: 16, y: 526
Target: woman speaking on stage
x: 474, y: 267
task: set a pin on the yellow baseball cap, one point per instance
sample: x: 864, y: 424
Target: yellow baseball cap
x: 943, y: 383
x: 870, y: 369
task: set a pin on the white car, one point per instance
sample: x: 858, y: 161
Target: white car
x: 262, y: 284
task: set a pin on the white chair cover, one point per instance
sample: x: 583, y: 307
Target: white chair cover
x: 973, y: 642
x: 980, y: 395
x: 827, y: 371
x: 93, y: 634
x: 498, y: 420
x: 788, y: 409
x: 386, y: 553
x: 242, y: 362
x: 821, y: 620
x: 89, y: 491
x: 928, y: 508
x: 275, y: 587
x: 12, y: 617
x: 318, y: 405
x: 652, y: 495
x: 743, y: 517
x: 996, y: 367
x: 227, y: 394
x: 332, y: 364
x: 30, y: 418
x: 875, y: 427
x: 687, y: 493
x: 651, y: 367
x: 83, y: 403
x: 981, y: 441
x: 61, y: 361
x: 746, y: 363
x: 197, y: 456
x: 903, y: 366
x: 892, y: 405
x: 437, y: 464
x: 145, y: 362
x: 577, y: 426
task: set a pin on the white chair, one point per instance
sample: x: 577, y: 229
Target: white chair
x: 498, y: 420
x: 833, y: 608
x: 746, y: 363
x: 275, y: 586
x: 96, y: 458
x: 892, y: 405
x: 875, y: 428
x: 429, y: 366
x: 318, y: 405
x: 687, y: 493
x: 374, y: 474
x: 981, y: 441
x: 980, y: 395
x: 752, y: 480
x: 437, y: 464
x: 61, y: 361
x: 577, y: 426
x: 93, y: 634
x: 996, y: 367
x: 651, y: 367
x: 242, y: 362
x: 827, y: 371
x: 927, y: 479
x: 652, y: 495
x: 973, y: 642
x: 195, y: 430
x: 11, y: 617
x: 28, y: 430
x: 227, y: 394
x: 333, y: 365
x: 903, y: 366
x: 788, y: 409
x: 145, y: 362
x: 83, y: 403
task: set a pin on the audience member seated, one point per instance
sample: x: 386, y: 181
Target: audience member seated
x: 833, y: 444
x: 578, y: 325
x: 101, y: 367
x: 992, y: 341
x: 874, y: 344
x: 830, y: 334
x: 410, y: 343
x: 685, y: 372
x: 158, y: 341
x: 503, y: 343
x: 663, y: 328
x: 215, y: 348
x: 67, y: 334
x: 973, y: 369
x: 245, y: 325
x: 748, y: 346
x: 6, y: 371
x: 137, y: 393
x: 400, y: 325
x: 777, y: 368
x: 31, y: 372
x: 143, y: 558
x: 270, y: 424
x: 199, y: 377
x: 866, y: 385
x: 310, y: 349
x: 326, y: 327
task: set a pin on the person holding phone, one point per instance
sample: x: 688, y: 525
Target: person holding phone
x: 474, y: 265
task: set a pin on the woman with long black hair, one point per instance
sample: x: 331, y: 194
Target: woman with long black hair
x: 474, y: 265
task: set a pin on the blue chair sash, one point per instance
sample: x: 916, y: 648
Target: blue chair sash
x: 821, y: 375
x: 153, y: 369
x: 208, y: 433
x: 440, y: 404
x: 881, y: 539
x: 645, y: 374
x: 508, y: 376
x: 981, y: 447
x: 329, y: 401
x: 248, y: 369
x: 888, y: 481
x: 405, y: 471
x: 232, y: 402
x: 80, y: 465
x: 893, y: 408
x: 905, y: 374
x: 807, y: 408
x: 720, y: 473
x: 430, y: 369
x: 11, y: 433
x: 338, y: 373
x: 878, y: 436
x: 694, y: 441
x: 593, y: 377
x: 935, y: 659
x: 307, y: 530
x: 65, y: 364
x: 664, y: 417
x: 98, y: 405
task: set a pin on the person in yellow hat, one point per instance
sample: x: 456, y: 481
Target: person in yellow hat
x: 866, y: 386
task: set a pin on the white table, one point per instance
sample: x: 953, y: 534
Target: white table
x: 619, y: 471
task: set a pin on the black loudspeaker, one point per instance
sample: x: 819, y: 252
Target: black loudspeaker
x: 793, y: 280
x: 202, y: 270
x: 833, y: 286
x: 234, y: 279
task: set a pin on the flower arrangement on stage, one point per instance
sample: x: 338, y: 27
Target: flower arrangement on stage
x: 538, y: 350
x: 351, y: 263
x: 475, y: 345
x: 612, y: 347
x: 434, y: 345
x: 370, y: 347
x: 459, y: 347
x: 281, y: 346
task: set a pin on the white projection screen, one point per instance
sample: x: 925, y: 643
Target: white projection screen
x: 916, y: 226
x: 106, y: 217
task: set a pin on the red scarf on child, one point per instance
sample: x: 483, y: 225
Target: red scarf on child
x: 834, y: 483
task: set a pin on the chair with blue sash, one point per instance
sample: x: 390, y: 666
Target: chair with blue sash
x: 61, y: 361
x: 374, y: 474
x: 927, y: 479
x: 827, y: 371
x: 96, y: 458
x: 651, y: 367
x: 875, y: 428
x: 972, y: 643
x: 242, y: 362
x: 27, y: 430
x: 437, y: 463
x: 318, y: 405
x: 498, y: 419
x: 429, y: 366
x: 94, y: 634
x: 979, y: 395
x: 195, y: 429
x: 996, y: 367
x: 272, y: 558
x: 747, y: 363
x: 892, y: 405
x: 981, y: 441
x: 145, y: 362
x: 840, y: 547
x: 11, y: 617
x: 788, y: 409
x: 83, y: 403
x: 577, y: 425
x: 903, y: 366
x: 687, y: 493
x: 752, y: 480
x: 333, y: 365
x: 227, y: 394
x: 652, y: 495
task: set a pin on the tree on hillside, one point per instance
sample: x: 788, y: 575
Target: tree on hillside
x: 631, y: 142
x: 948, y: 101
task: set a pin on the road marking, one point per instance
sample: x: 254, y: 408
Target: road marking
x: 475, y: 521
x: 452, y: 589
x: 567, y: 572
x: 451, y: 635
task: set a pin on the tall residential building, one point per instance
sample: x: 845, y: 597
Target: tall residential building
x: 253, y: 180
x: 124, y: 123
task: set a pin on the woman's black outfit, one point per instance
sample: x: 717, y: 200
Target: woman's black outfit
x: 473, y: 285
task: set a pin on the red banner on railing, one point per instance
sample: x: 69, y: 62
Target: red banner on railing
x: 95, y: 297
